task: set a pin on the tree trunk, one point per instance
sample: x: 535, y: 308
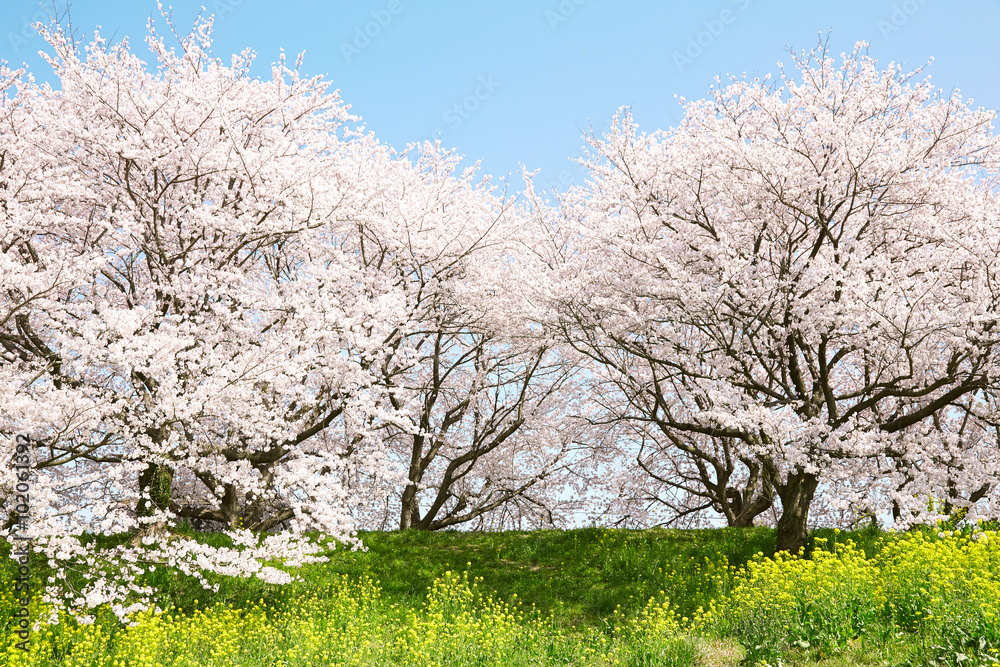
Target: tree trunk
x: 230, y: 506
x: 157, y: 480
x: 409, y: 514
x: 745, y: 517
x: 796, y: 496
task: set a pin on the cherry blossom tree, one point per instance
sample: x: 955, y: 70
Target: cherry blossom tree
x: 491, y: 436
x: 795, y: 290
x: 186, y: 307
x: 226, y: 304
x: 490, y: 406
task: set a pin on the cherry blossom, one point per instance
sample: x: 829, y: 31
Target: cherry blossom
x: 794, y: 291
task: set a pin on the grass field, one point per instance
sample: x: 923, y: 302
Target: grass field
x: 588, y: 597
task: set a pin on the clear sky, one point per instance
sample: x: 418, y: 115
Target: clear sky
x: 516, y: 82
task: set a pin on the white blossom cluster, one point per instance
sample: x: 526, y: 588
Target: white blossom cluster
x: 795, y: 290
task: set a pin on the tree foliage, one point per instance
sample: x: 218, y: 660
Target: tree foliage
x: 796, y: 286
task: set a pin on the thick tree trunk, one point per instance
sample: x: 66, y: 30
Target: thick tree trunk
x: 796, y: 496
x: 409, y: 515
x: 230, y: 506
x: 157, y: 480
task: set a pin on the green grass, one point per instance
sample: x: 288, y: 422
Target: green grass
x: 590, y: 596
x: 580, y: 576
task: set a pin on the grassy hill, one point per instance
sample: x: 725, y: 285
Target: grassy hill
x: 592, y: 596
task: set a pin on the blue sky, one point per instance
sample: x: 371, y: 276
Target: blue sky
x: 517, y: 81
